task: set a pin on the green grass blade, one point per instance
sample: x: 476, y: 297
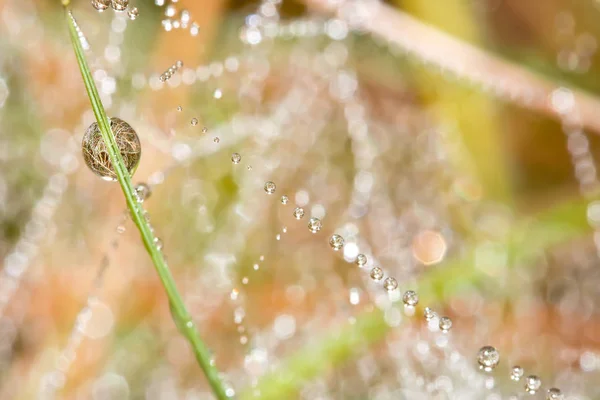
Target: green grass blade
x: 181, y: 317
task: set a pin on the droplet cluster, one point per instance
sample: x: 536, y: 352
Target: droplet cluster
x: 117, y: 5
x: 176, y: 19
x: 165, y: 76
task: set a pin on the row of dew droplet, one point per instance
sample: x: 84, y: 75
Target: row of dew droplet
x: 488, y: 357
x: 175, y: 19
x: 165, y: 76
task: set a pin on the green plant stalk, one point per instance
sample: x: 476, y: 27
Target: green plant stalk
x: 526, y: 241
x: 181, y: 317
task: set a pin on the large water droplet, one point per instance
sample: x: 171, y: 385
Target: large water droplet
x: 95, y: 151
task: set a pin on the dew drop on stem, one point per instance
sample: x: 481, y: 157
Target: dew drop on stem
x: 554, y: 394
x: 142, y: 192
x: 95, y: 151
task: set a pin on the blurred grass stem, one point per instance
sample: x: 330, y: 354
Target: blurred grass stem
x: 512, y: 82
x: 181, y: 317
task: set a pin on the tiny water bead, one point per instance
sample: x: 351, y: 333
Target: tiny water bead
x: 390, y: 284
x: 158, y: 243
x: 554, y: 394
x: 195, y: 29
x: 270, y: 187
x: 445, y: 324
x: 133, y: 13
x: 336, y: 242
x: 411, y: 298
x: 532, y: 384
x: 298, y: 212
x: 216, y: 139
x: 142, y: 192
x: 488, y: 358
x: 284, y: 199
x: 194, y: 121
x: 376, y: 274
x: 429, y: 314
x: 95, y: 152
x: 361, y: 260
x: 119, y: 5
x: 314, y: 225
x: 516, y: 373
x: 205, y: 130
x: 100, y: 5
x: 179, y: 108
